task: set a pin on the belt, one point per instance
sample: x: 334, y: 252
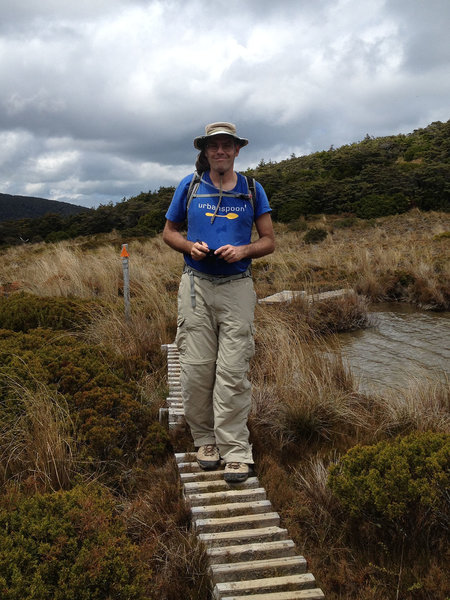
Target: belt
x: 214, y: 279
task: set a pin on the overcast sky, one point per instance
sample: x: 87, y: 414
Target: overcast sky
x: 101, y: 99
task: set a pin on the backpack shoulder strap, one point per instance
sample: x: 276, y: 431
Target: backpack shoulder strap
x: 192, y: 190
x: 197, y: 178
x: 251, y: 187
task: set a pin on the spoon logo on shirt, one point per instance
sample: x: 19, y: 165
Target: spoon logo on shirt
x: 227, y: 216
x: 231, y: 212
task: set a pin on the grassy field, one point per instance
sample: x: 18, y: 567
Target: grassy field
x: 58, y: 424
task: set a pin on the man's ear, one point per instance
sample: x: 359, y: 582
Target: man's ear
x: 237, y: 150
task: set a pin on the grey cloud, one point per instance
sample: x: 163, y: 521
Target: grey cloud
x: 103, y: 99
x: 423, y: 27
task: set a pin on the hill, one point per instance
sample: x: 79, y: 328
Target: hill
x: 13, y: 207
x: 373, y: 178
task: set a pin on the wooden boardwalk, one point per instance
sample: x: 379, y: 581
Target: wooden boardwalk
x: 287, y: 296
x: 250, y: 553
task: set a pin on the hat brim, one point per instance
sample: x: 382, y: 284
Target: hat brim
x: 200, y: 141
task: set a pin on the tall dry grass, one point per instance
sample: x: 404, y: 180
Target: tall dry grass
x: 401, y: 257
x: 303, y: 391
x: 422, y: 406
x: 38, y: 447
x: 306, y: 405
x: 158, y: 517
x: 404, y: 256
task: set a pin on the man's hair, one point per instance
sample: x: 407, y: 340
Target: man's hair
x: 202, y: 163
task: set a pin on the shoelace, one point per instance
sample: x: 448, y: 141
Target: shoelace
x: 210, y: 450
x: 234, y: 465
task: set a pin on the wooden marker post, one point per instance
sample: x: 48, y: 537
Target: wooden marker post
x: 126, y: 279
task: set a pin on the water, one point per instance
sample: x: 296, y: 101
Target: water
x: 404, y: 345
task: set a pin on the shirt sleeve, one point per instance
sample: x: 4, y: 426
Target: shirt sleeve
x: 177, y: 209
x: 262, y: 205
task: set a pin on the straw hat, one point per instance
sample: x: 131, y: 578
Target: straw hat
x: 218, y: 129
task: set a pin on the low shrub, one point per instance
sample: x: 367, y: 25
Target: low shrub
x: 315, y: 235
x: 69, y: 545
x: 342, y: 313
x: 346, y: 222
x: 114, y: 427
x: 380, y: 205
x: 22, y: 311
x: 445, y: 235
x: 399, y: 483
x: 298, y: 224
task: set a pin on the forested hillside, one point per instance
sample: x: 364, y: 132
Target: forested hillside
x: 371, y: 178
x: 14, y: 207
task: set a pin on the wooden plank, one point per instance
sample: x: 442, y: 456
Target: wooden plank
x: 269, y: 584
x: 241, y: 552
x: 263, y: 568
x: 229, y: 523
x: 243, y: 536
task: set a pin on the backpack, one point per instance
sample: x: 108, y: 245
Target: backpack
x: 197, y: 179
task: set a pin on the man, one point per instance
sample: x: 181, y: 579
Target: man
x: 216, y: 299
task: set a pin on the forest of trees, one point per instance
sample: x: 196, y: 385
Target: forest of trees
x: 373, y: 178
x: 14, y: 207
x: 368, y: 179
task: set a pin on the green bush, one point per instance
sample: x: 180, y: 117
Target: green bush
x: 22, y: 312
x: 346, y: 222
x: 114, y: 427
x: 399, y: 482
x: 445, y: 235
x: 69, y: 546
x: 156, y: 445
x: 379, y: 205
x: 298, y: 224
x: 315, y: 235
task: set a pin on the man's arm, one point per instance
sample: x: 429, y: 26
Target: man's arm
x: 176, y: 240
x: 265, y: 244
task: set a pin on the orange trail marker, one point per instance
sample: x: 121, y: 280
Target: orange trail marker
x: 124, y: 253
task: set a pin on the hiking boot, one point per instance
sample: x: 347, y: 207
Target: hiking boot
x: 236, y: 472
x: 208, y: 457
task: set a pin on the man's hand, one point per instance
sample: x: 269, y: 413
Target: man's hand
x: 231, y: 253
x: 199, y: 250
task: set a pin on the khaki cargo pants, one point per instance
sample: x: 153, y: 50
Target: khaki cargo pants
x: 215, y: 341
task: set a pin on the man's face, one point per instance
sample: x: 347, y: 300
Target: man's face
x: 221, y: 150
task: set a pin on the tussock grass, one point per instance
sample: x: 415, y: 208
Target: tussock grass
x: 158, y: 518
x: 135, y: 340
x: 423, y: 406
x: 38, y: 447
x: 402, y: 257
x: 306, y: 410
x: 302, y: 390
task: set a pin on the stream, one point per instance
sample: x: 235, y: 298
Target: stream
x: 403, y: 344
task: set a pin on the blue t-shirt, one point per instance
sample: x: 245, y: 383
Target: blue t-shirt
x: 232, y: 225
